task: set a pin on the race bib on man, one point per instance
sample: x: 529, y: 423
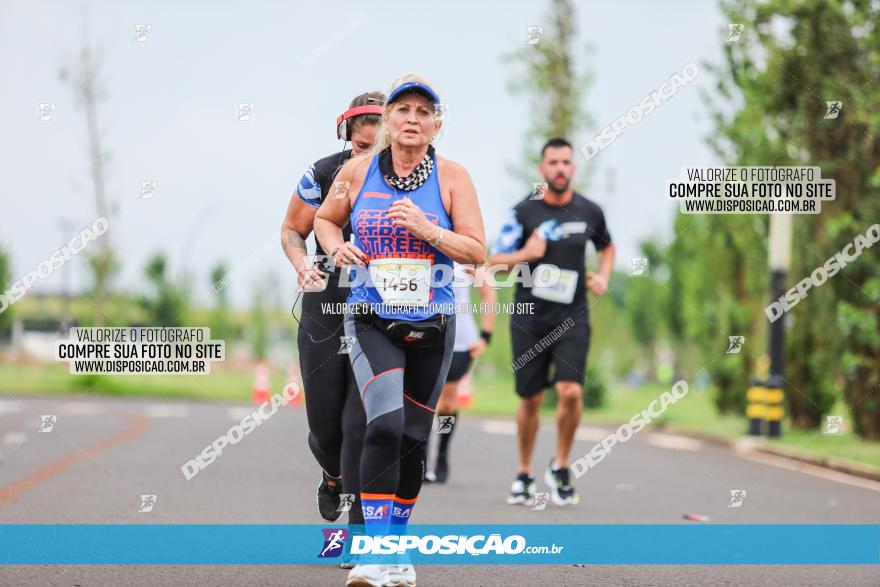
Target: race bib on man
x: 402, y: 282
x: 562, y: 292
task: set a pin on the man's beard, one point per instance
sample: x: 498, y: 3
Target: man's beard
x: 559, y: 190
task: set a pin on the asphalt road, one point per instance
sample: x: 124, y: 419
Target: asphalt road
x: 103, y: 454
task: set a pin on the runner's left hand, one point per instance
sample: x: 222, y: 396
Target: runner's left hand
x: 405, y: 213
x: 311, y: 279
x: 596, y: 283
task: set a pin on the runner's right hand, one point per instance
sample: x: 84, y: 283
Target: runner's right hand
x: 348, y: 254
x: 477, y: 348
x: 535, y: 247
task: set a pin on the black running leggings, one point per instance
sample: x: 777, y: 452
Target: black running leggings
x: 333, y: 405
x: 399, y: 388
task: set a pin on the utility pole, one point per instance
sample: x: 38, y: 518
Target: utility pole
x: 779, y: 259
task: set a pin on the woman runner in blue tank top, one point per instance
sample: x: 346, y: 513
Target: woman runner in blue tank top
x: 423, y: 287
x: 412, y: 214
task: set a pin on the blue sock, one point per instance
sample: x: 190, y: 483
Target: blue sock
x: 400, y: 513
x: 377, y: 513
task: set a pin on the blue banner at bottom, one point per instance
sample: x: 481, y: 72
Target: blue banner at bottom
x: 263, y: 544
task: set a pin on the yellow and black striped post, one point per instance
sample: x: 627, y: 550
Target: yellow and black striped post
x: 775, y: 398
x: 756, y: 407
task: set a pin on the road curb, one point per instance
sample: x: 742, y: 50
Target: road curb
x: 749, y: 444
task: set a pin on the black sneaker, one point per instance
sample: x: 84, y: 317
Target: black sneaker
x: 559, y: 481
x: 328, y: 498
x: 522, y: 490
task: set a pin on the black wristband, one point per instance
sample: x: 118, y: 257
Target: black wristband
x: 486, y: 335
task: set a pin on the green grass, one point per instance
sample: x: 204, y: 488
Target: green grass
x: 55, y: 379
x: 493, y: 396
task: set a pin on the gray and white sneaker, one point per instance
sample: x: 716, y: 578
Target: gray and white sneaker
x: 400, y: 576
x: 522, y: 490
x: 559, y: 482
x: 367, y: 576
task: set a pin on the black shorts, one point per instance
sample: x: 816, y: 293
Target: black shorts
x: 461, y: 364
x: 538, y: 347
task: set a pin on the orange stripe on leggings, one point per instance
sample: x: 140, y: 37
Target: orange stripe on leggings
x: 376, y: 496
x: 405, y: 501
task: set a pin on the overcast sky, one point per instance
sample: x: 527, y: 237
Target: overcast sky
x: 223, y: 185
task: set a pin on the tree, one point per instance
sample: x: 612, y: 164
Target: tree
x: 718, y: 285
x: 220, y: 325
x: 259, y: 326
x: 5, y: 282
x: 645, y: 300
x: 793, y: 58
x: 550, y: 76
x: 88, y: 91
x: 168, y: 305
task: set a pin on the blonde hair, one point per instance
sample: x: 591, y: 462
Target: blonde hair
x: 383, y: 140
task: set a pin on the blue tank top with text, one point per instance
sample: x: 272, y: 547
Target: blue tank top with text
x: 374, y: 234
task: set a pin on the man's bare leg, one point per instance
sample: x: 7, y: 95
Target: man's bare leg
x: 569, y: 408
x: 527, y: 423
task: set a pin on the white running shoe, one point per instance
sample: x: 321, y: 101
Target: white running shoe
x: 367, y: 576
x: 559, y: 481
x: 400, y: 576
x: 522, y: 490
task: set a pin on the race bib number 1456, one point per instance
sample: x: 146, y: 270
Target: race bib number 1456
x: 402, y: 282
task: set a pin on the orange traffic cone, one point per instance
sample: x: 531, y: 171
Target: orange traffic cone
x: 293, y: 388
x: 465, y: 393
x: 260, y: 392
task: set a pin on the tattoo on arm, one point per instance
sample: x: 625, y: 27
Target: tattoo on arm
x: 295, y: 240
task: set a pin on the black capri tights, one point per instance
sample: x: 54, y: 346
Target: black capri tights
x: 333, y: 404
x: 399, y: 388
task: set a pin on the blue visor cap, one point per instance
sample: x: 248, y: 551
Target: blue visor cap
x: 415, y: 88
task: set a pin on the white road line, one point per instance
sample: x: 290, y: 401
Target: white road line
x: 499, y: 426
x: 77, y: 408
x: 673, y: 442
x: 15, y: 438
x: 167, y: 411
x: 11, y: 406
x: 814, y: 470
x: 508, y: 427
x: 238, y: 412
x: 589, y: 434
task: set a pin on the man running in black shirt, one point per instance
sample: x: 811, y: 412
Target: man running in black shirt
x: 552, y: 228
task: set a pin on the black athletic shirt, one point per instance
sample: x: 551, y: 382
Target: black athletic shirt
x: 566, y: 229
x: 317, y: 183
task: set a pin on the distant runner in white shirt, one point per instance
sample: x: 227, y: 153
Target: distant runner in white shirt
x: 470, y: 343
